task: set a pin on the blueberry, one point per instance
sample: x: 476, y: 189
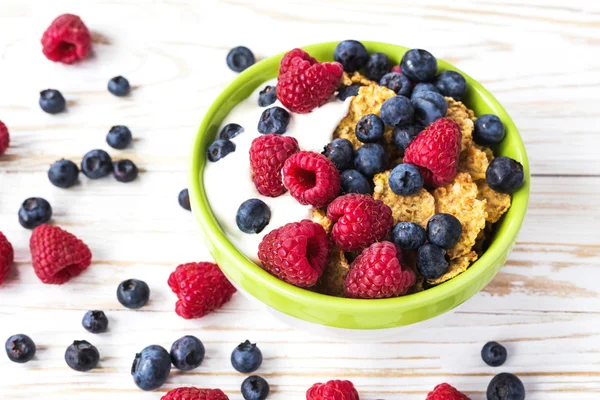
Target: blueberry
x: 230, y: 131
x: 488, y: 130
x: 34, y: 211
x: 451, y: 84
x: 274, y: 120
x: 397, y: 111
x: 403, y: 136
x: 352, y: 54
x: 493, y: 354
x: 252, y: 216
x: 432, y: 261
x: 424, y: 87
x: 239, y: 58
x: 119, y: 86
x: 95, y: 321
x: 82, y: 356
x: 444, y: 230
x: 63, y: 173
x: 340, y: 152
x: 397, y: 82
x: 348, y: 91
x: 419, y: 65
x: 255, y: 388
x: 505, y: 175
x: 20, y: 348
x: 370, y: 159
x: 96, y: 164
x: 118, y: 137
x: 125, y: 171
x: 52, y: 101
x: 354, y: 182
x: 219, y: 149
x: 377, y: 66
x: 267, y: 96
x: 187, y: 353
x: 246, y: 357
x: 505, y: 386
x: 133, y: 293
x: 151, y: 367
x: 408, y: 235
x: 184, y: 199
x: 405, y: 180
x: 428, y: 107
x: 369, y: 129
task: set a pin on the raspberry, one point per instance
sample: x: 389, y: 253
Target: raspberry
x: 359, y: 221
x: 446, y: 392
x: 311, y: 178
x: 295, y: 253
x: 201, y: 288
x: 304, y: 84
x: 4, y: 138
x: 436, y: 151
x: 192, y: 393
x: 377, y: 273
x: 7, y: 256
x: 267, y: 155
x: 332, y: 390
x: 396, y: 68
x: 67, y: 40
x: 57, y: 255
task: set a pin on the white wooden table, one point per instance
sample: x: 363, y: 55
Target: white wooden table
x: 540, y: 60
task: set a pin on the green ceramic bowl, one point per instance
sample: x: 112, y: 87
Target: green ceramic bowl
x: 339, y: 312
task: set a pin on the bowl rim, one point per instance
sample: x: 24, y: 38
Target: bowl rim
x: 219, y: 242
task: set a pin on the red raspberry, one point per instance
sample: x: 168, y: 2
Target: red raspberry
x: 332, y: 390
x: 311, y: 178
x: 67, y: 40
x: 4, y: 138
x: 201, y: 288
x: 446, y: 392
x: 7, y: 257
x: 304, y: 84
x: 295, y: 253
x: 396, y: 68
x: 359, y: 221
x: 192, y: 393
x: 436, y: 151
x: 267, y: 155
x: 377, y: 273
x: 57, y: 255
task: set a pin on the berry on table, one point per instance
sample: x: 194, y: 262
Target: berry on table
x: 311, y: 178
x: 66, y: 40
x: 219, y: 149
x: 267, y: 96
x: 397, y: 111
x: 377, y: 66
x: 451, y: 84
x: 432, y: 261
x: 488, y: 130
x: 82, y: 356
x: 428, y: 107
x: 151, y: 367
x: 33, y: 212
x: 445, y: 391
x: 187, y: 353
x: 125, y: 171
x: 274, y: 120
x: 52, y: 101
x: 338, y: 390
x: 184, y: 199
x: 95, y: 321
x: 505, y: 175
x: 444, y: 230
x: 133, y: 293
x: 118, y: 137
x: 20, y: 348
x: 246, y: 357
x: 267, y: 156
x: 252, y: 216
x: 408, y: 235
x: 192, y: 393
x: 505, y: 386
x: 494, y: 354
x: 355, y: 182
x: 348, y: 91
x: 370, y: 159
x: 397, y: 82
x: 119, y: 86
x: 352, y: 54
x: 341, y: 153
x: 239, y: 58
x: 419, y: 65
x: 405, y: 180
x: 7, y: 257
x: 4, y: 138
x: 403, y: 136
x: 369, y: 129
x: 255, y: 388
x: 423, y: 87
x: 96, y: 164
x: 63, y: 173
x: 230, y: 131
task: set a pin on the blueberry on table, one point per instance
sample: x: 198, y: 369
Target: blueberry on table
x: 219, y: 149
x: 246, y: 357
x: 424, y: 87
x: 34, y: 211
x: 428, y: 107
x: 125, y: 171
x: 348, y: 91
x: 397, y: 111
x: 96, y: 164
x: 133, y: 293
x: 184, y: 199
x: 432, y: 261
x: 352, y: 54
x: 377, y: 66
x: 20, y: 348
x: 52, y: 101
x: 444, y: 230
x: 267, y: 96
x: 369, y: 129
x: 255, y: 388
x: 252, y: 216
x: 187, y: 353
x: 82, y: 356
x: 95, y: 321
x: 63, y: 173
x: 119, y: 86
x: 408, y: 235
x: 239, y: 58
x: 370, y: 159
x: 494, y: 354
x: 451, y: 84
x: 230, y: 131
x: 340, y: 152
x: 151, y: 367
x: 274, y: 120
x: 419, y: 65
x: 405, y: 180
x: 355, y: 182
x: 488, y: 130
x: 505, y: 386
x: 397, y: 82
x: 118, y: 137
x: 505, y: 175
x: 403, y: 135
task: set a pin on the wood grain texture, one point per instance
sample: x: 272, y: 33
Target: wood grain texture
x: 539, y: 58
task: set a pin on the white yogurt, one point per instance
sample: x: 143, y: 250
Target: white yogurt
x: 228, y: 182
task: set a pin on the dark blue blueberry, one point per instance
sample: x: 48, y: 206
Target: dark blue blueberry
x: 369, y: 129
x: 355, y: 182
x: 419, y: 65
x: 488, y: 130
x: 239, y: 58
x: 423, y: 87
x: 187, y: 353
x: 230, y: 131
x: 34, y: 211
x: 408, y: 235
x: 341, y: 153
x: 505, y: 175
x: 505, y: 386
x: 428, y: 107
x: 444, y: 230
x: 403, y: 135
x: 397, y: 111
x: 52, y: 101
x: 95, y: 321
x: 352, y: 54
x: 151, y: 367
x: 219, y: 149
x: 432, y: 261
x: 451, y: 84
x: 397, y: 82
x: 82, y: 356
x: 96, y: 164
x: 274, y: 120
x: 267, y: 96
x: 494, y: 354
x: 133, y: 293
x: 377, y: 66
x: 370, y: 159
x: 118, y: 137
x: 184, y: 199
x: 125, y: 171
x: 255, y: 388
x: 246, y: 357
x: 63, y: 173
x: 20, y: 348
x: 119, y: 86
x: 348, y: 91
x: 405, y: 180
x: 252, y: 216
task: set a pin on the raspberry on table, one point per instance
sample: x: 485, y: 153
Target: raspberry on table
x: 67, y: 40
x: 332, y: 390
x: 444, y: 391
x: 4, y: 138
x: 7, y: 257
x: 311, y: 178
x: 267, y: 156
x: 189, y: 393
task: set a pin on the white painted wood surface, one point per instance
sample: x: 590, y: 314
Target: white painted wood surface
x: 540, y: 58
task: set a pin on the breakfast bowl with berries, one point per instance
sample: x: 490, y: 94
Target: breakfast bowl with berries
x: 358, y: 187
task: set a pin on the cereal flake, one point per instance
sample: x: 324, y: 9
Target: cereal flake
x: 496, y: 203
x: 457, y: 266
x: 465, y: 119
